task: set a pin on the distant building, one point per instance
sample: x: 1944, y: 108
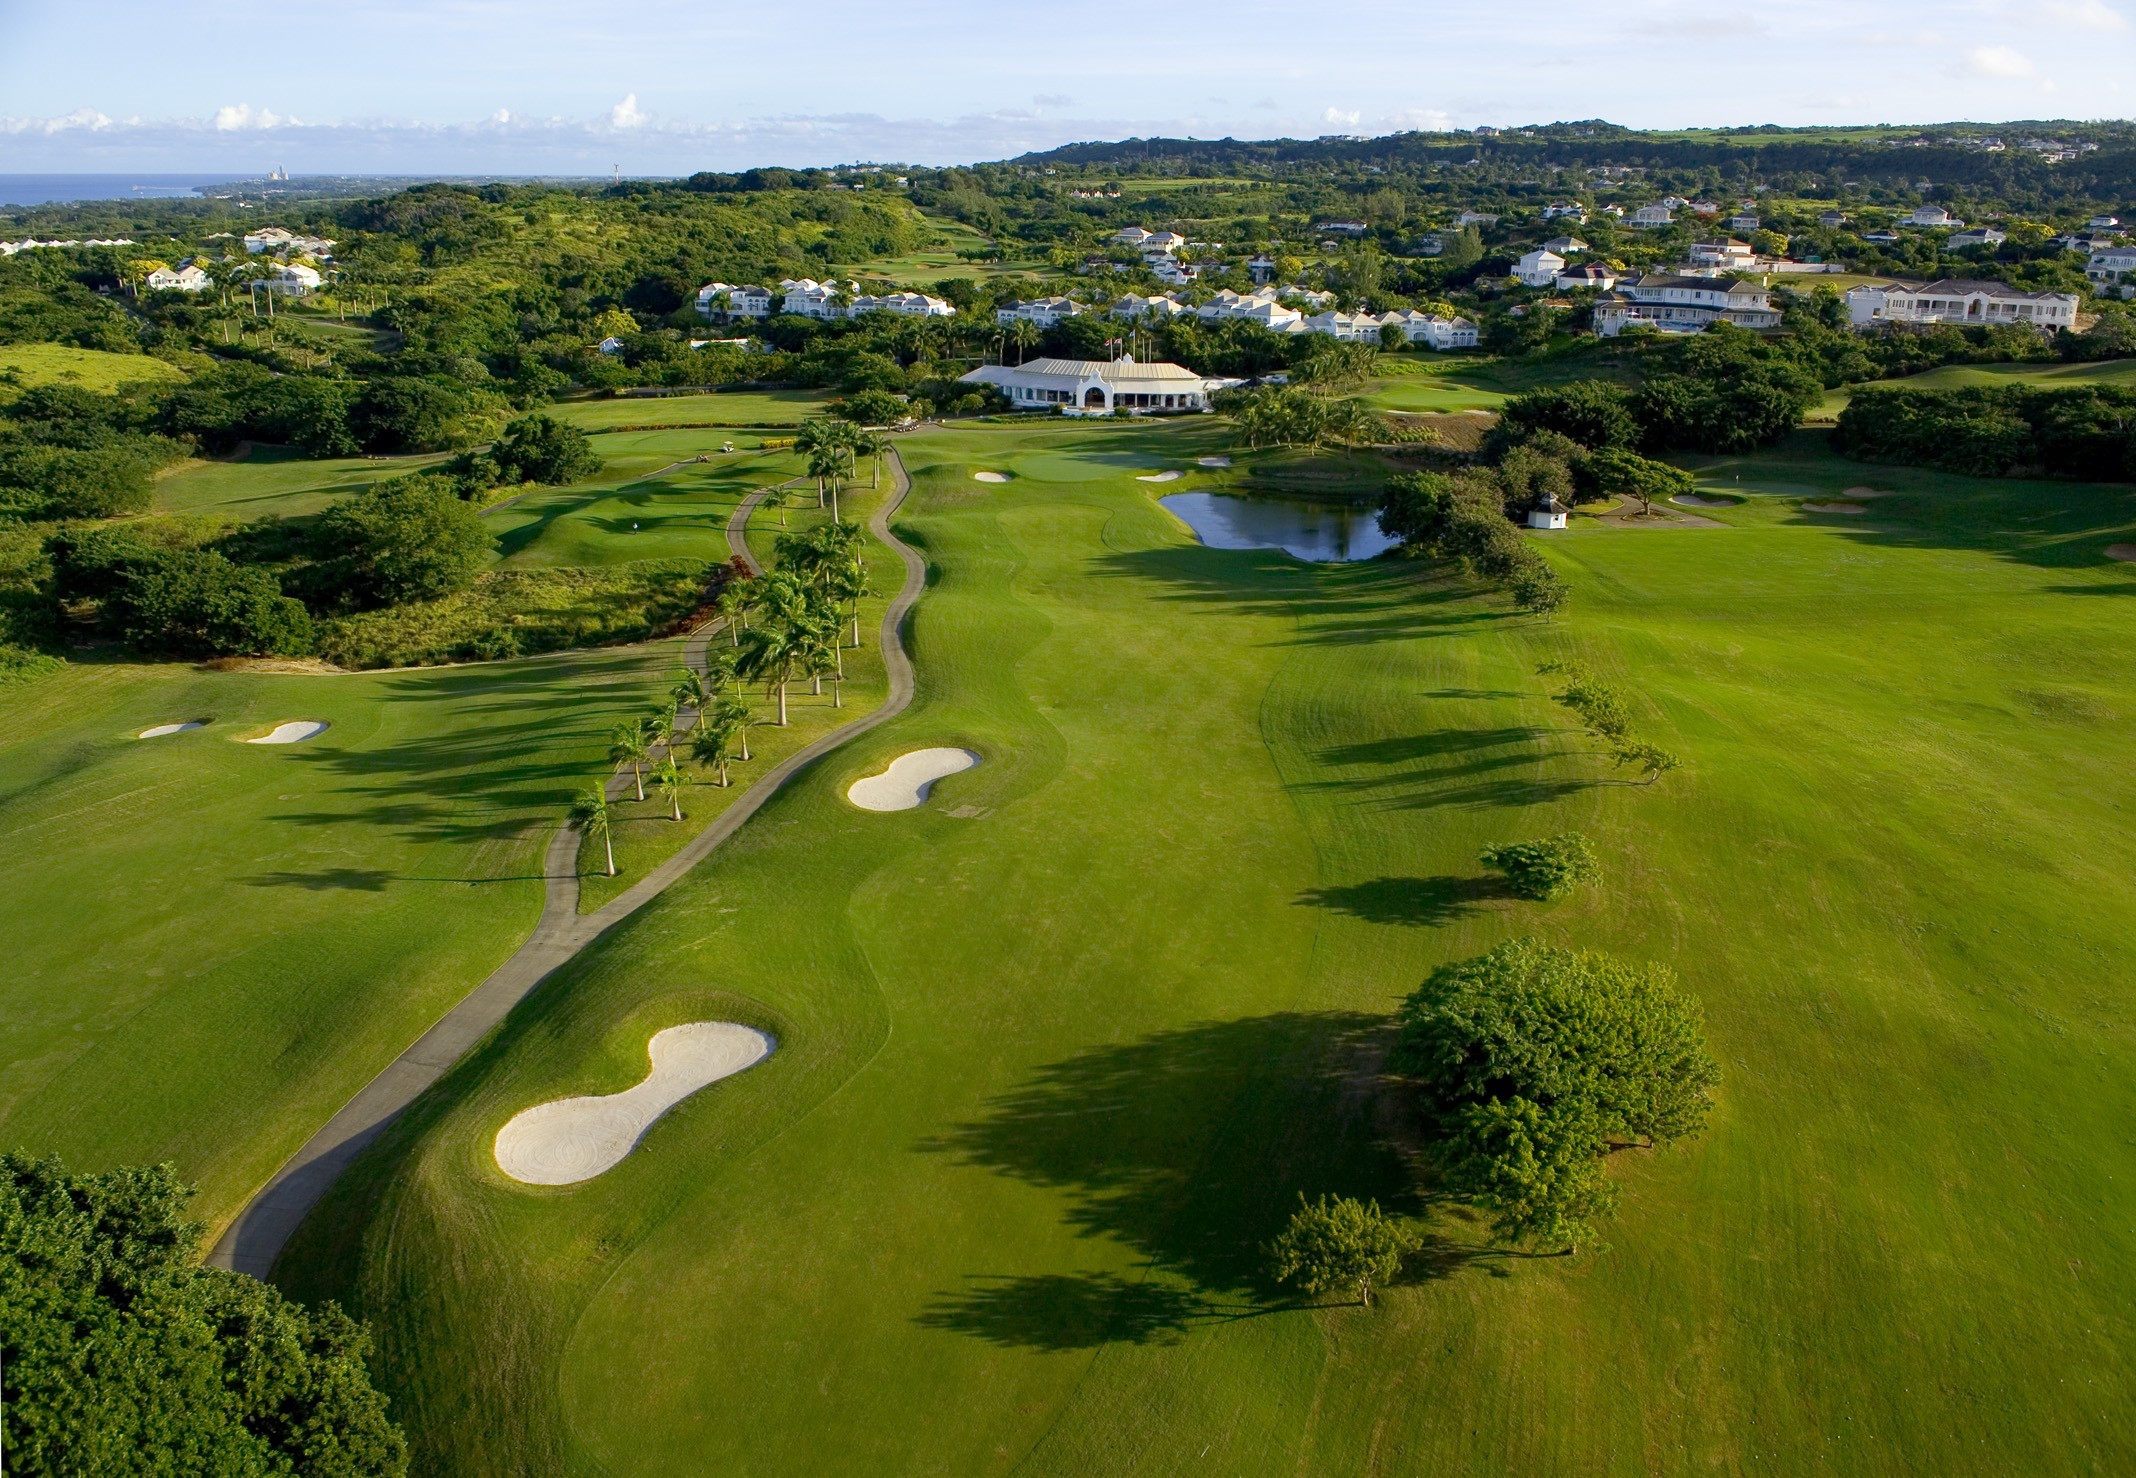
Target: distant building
x: 2113, y: 267
x: 291, y: 280
x: 1934, y: 217
x: 1565, y: 212
x: 911, y: 304
x: 1478, y: 218
x: 1587, y: 274
x: 805, y: 297
x: 186, y: 278
x: 610, y: 345
x: 1565, y: 246
x: 1881, y: 238
x: 1726, y: 252
x: 1342, y: 228
x: 1264, y: 307
x: 1045, y: 312
x: 1438, y: 333
x: 1099, y: 387
x: 1978, y: 236
x: 2104, y: 223
x: 284, y: 242
x: 725, y: 300
x: 1651, y: 218
x: 1743, y: 221
x: 1261, y: 268
x: 1548, y: 514
x: 1956, y: 300
x: 1539, y: 268
x: 1673, y: 304
x: 1832, y: 220
x: 1134, y: 306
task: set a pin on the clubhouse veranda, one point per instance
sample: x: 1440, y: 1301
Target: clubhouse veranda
x: 1098, y: 387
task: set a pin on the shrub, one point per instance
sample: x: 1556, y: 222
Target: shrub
x: 1337, y: 1242
x: 406, y: 539
x: 195, y: 603
x: 1547, y: 868
x: 63, y: 482
x: 542, y: 449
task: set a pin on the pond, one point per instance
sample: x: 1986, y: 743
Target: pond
x: 1321, y: 533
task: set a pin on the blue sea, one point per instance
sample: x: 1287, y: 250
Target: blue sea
x: 42, y: 189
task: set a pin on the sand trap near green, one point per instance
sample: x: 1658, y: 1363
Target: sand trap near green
x: 1160, y: 477
x: 294, y: 732
x: 908, y: 780
x: 990, y: 477
x: 569, y: 1140
x: 162, y: 729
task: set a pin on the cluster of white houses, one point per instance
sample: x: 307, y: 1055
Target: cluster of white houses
x: 809, y: 298
x: 1272, y: 308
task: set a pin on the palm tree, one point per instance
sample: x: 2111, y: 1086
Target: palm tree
x: 868, y: 444
x: 827, y: 464
x: 590, y: 811
x: 629, y: 745
x: 712, y: 745
x: 669, y: 782
x: 734, y: 714
x: 735, y: 599
x: 823, y: 662
x: 690, y: 691
x: 773, y: 655
x: 719, y: 671
x: 845, y: 583
x: 664, y: 725
x: 1023, y: 333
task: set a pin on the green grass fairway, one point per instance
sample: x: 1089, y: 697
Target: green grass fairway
x: 275, y: 480
x: 1956, y: 376
x: 1059, y: 1050
x: 211, y: 945
x: 29, y: 365
x: 644, y: 507
x: 737, y: 408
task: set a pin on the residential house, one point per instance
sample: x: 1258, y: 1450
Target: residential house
x: 187, y: 277
x: 2104, y: 223
x: 1956, y: 300
x: 1565, y: 246
x: 610, y: 345
x: 1441, y: 333
x: 1616, y: 212
x: 1431, y: 244
x: 1881, y: 238
x: 1131, y: 236
x: 1261, y: 268
x: 1045, y: 312
x: 1348, y: 327
x: 726, y: 300
x: 1934, y: 217
x: 1539, y: 268
x: 1587, y: 274
x: 808, y: 298
x: 1099, y: 387
x: 1832, y: 220
x: 2114, y: 267
x: 1674, y: 304
x: 1351, y: 229
x: 291, y: 280
x: 1477, y: 218
x: 1263, y: 306
x: 1171, y: 273
x: 1726, y: 252
x: 1135, y: 306
x: 1742, y: 221
x: 1651, y: 218
x: 1566, y: 211
x: 912, y: 305
x: 1978, y: 236
x: 284, y: 242
x: 1674, y: 202
x: 1703, y: 208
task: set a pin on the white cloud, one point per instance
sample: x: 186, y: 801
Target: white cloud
x: 1999, y: 61
x: 1422, y: 120
x: 501, y: 116
x: 234, y: 117
x: 2090, y: 15
x: 627, y: 114
x: 1338, y: 116
x: 1053, y: 100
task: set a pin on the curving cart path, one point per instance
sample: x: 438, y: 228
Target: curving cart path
x: 256, y: 1236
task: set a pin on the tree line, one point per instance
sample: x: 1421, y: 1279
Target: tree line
x: 2086, y: 431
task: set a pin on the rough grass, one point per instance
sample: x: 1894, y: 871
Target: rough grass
x: 730, y: 408
x: 30, y: 365
x: 1059, y: 1050
x: 273, y: 480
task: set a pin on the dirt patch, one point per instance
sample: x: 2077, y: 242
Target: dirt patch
x: 315, y: 666
x: 1629, y: 517
x: 2124, y: 552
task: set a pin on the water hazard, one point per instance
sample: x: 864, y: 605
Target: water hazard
x: 1323, y: 533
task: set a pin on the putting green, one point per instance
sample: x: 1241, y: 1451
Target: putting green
x: 1053, y: 1070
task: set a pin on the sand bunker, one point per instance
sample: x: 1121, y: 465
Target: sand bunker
x: 161, y: 729
x: 1159, y: 476
x: 1693, y: 500
x: 1835, y: 508
x: 2125, y: 552
x: 990, y: 477
x: 1866, y: 492
x: 1212, y: 461
x: 910, y: 776
x: 568, y: 1140
x: 295, y: 732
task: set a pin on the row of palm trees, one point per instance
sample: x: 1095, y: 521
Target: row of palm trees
x: 802, y: 611
x: 834, y: 448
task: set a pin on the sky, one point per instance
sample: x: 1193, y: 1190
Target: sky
x: 652, y: 87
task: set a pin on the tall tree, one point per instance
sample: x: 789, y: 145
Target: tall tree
x: 590, y: 811
x: 667, y: 779
x: 1338, y: 1242
x: 631, y: 744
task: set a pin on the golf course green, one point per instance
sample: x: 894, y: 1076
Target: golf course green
x: 1060, y: 1048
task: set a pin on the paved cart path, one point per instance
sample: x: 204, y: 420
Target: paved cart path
x: 256, y: 1236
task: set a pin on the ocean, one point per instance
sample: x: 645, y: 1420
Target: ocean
x: 42, y: 189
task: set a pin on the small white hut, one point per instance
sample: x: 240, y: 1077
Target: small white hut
x: 1548, y: 514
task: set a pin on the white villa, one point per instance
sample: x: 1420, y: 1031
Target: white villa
x: 189, y: 278
x: 291, y: 280
x: 1045, y: 312
x: 1934, y: 216
x: 1098, y: 387
x: 2113, y: 267
x: 740, y: 302
x: 1587, y: 274
x: 1727, y: 252
x: 1565, y: 246
x: 1978, y: 236
x: 1565, y: 211
x: 809, y: 298
x: 1475, y: 218
x: 278, y: 240
x: 912, y: 305
x: 1651, y: 218
x: 1539, y: 268
x: 1146, y: 242
x: 1683, y: 305
x: 1134, y: 306
x: 1954, y: 300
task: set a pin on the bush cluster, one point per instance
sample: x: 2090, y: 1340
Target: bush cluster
x: 1547, y: 868
x: 1997, y: 430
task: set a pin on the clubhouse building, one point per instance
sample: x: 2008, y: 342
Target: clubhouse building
x: 1097, y: 387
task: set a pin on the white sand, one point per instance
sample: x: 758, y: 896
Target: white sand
x: 990, y: 477
x: 1835, y: 508
x: 1159, y: 476
x: 1695, y: 501
x: 2124, y: 552
x: 295, y: 732
x: 568, y: 1140
x: 910, y: 776
x: 161, y: 729
x: 1213, y: 461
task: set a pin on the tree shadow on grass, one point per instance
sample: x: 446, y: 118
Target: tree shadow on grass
x: 1190, y: 1147
x: 354, y: 879
x: 1422, y: 903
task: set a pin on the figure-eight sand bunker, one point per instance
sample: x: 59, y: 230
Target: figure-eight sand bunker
x: 568, y: 1140
x: 908, y: 780
x: 294, y: 732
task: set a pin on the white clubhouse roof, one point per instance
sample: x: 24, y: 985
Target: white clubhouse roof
x: 1124, y: 373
